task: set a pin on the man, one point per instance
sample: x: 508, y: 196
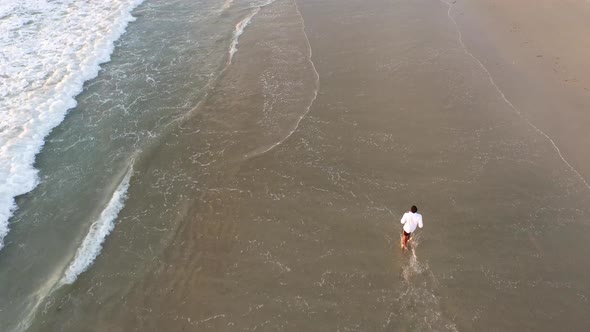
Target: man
x: 410, y: 220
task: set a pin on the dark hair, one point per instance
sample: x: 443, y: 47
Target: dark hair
x: 414, y: 209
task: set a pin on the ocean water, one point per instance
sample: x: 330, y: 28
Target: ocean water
x: 49, y: 49
x: 211, y: 172
x: 86, y: 88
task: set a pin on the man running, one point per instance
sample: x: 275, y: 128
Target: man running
x: 410, y: 220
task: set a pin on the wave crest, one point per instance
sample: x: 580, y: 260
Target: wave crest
x: 48, y: 49
x: 99, y: 230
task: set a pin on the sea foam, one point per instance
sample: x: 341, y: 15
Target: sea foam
x: 238, y: 30
x: 48, y: 49
x: 99, y: 230
x: 241, y: 25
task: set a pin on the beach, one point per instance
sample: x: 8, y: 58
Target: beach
x: 268, y: 195
x: 536, y: 52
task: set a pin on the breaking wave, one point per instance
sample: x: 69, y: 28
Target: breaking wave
x: 99, y: 230
x: 48, y: 49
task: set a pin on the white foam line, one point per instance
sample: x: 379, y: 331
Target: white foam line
x: 52, y: 53
x: 238, y: 32
x: 450, y: 5
x: 86, y: 253
x: 99, y: 230
x: 315, y: 93
x: 240, y: 27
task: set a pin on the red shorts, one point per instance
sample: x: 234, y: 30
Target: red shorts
x: 408, y: 235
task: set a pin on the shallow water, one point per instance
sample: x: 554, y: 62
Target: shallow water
x: 159, y: 71
x: 268, y: 184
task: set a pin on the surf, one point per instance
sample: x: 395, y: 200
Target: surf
x: 238, y: 31
x: 241, y: 26
x: 48, y: 51
x: 91, y: 246
x: 86, y: 254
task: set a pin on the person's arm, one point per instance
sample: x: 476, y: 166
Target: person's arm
x: 420, y: 222
x: 404, y: 218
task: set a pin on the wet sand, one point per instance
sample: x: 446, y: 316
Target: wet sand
x: 291, y: 222
x: 537, y: 52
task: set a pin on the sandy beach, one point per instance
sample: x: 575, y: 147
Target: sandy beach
x: 537, y: 52
x: 274, y: 204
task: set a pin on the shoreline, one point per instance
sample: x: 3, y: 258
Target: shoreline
x: 535, y: 52
x: 303, y: 236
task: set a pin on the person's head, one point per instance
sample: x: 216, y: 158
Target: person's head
x: 414, y: 209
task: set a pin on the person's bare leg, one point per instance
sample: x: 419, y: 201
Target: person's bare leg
x: 405, y: 241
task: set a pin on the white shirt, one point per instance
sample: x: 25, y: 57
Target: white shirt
x: 411, y: 220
